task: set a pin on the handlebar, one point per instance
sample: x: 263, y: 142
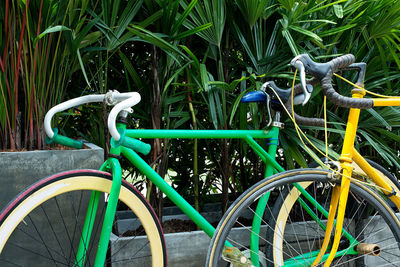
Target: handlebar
x: 323, y: 72
x: 300, y: 119
x: 298, y: 98
x: 134, y: 99
x: 126, y: 101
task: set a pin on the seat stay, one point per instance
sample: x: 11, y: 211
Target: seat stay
x: 387, y: 189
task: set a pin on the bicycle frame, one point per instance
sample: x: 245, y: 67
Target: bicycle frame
x: 113, y: 165
x: 340, y: 193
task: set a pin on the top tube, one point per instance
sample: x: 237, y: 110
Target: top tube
x: 386, y: 102
x: 201, y: 134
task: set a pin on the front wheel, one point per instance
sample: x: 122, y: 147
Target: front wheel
x: 292, y: 235
x: 43, y: 225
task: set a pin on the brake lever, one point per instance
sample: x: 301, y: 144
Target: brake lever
x: 299, y: 99
x: 300, y: 67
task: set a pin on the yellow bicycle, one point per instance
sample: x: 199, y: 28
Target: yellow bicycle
x: 318, y: 216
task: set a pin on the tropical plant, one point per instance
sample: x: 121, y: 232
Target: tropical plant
x: 323, y: 29
x: 37, y: 61
x: 192, y: 61
x: 161, y: 32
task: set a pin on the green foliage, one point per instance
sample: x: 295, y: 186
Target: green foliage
x: 203, y: 56
x: 208, y: 12
x: 40, y: 50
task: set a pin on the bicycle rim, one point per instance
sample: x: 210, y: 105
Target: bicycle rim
x: 43, y: 225
x: 292, y: 237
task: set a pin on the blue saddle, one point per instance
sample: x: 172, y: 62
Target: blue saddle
x: 256, y: 96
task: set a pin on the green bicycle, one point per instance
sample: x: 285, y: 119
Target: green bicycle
x: 67, y: 218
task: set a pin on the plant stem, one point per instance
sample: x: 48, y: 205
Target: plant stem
x: 156, y: 123
x: 195, y: 150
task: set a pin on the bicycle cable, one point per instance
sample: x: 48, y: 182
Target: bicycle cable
x: 362, y: 88
x: 301, y: 133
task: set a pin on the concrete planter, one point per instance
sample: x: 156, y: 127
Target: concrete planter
x: 189, y: 249
x: 18, y: 170
x: 184, y: 248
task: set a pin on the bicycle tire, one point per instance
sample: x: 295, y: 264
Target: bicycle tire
x: 36, y: 215
x: 357, y: 172
x: 275, y: 254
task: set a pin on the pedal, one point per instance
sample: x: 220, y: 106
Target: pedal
x: 235, y: 257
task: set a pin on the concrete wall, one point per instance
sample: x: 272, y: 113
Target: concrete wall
x: 18, y: 170
x: 189, y: 249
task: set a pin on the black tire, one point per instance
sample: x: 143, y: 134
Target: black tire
x: 301, y: 230
x: 42, y: 226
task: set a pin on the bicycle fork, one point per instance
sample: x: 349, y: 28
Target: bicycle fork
x: 113, y: 165
x: 338, y: 203
x: 340, y: 193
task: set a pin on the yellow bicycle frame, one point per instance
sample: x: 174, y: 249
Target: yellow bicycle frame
x: 340, y: 193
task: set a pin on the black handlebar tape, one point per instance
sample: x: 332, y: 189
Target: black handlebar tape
x: 343, y: 101
x: 338, y: 99
x: 342, y: 61
x: 324, y: 72
x: 298, y: 89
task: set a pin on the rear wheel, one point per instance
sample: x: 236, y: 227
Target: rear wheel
x: 43, y: 225
x: 291, y: 235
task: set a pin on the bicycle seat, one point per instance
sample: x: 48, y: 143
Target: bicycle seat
x: 273, y: 91
x: 257, y: 96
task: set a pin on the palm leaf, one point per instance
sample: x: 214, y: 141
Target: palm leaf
x: 208, y: 12
x: 252, y: 10
x: 152, y: 38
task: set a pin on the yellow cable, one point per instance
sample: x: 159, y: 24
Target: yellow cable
x: 325, y: 128
x: 301, y: 133
x: 359, y: 87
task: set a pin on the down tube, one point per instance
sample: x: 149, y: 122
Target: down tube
x: 262, y: 203
x: 178, y: 200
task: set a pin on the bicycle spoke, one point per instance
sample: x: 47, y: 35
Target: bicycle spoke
x: 36, y: 253
x: 76, y: 215
x: 41, y: 238
x: 54, y: 227
x: 52, y: 230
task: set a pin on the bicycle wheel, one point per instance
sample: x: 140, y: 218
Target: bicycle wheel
x: 43, y: 225
x: 292, y: 235
x: 285, y: 200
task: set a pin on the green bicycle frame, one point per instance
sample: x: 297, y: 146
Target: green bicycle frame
x: 113, y: 165
x: 247, y: 135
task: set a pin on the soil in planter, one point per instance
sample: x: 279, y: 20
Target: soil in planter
x: 171, y: 226
x: 48, y: 147
x: 177, y: 226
